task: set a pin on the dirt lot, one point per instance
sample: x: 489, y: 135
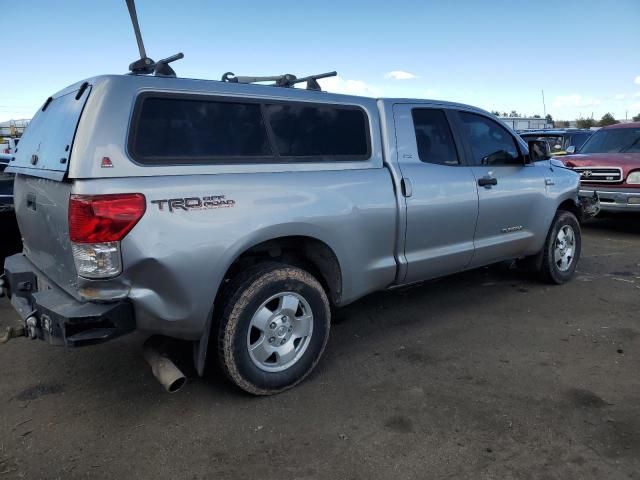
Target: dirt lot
x: 487, y: 374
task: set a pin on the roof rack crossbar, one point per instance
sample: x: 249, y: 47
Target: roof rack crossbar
x: 287, y: 80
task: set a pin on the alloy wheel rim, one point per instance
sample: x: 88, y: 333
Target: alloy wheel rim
x: 280, y: 331
x: 564, y: 248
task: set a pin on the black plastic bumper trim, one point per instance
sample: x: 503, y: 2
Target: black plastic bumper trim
x: 61, y: 319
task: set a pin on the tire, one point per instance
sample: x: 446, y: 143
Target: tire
x: 559, y: 263
x: 274, y: 327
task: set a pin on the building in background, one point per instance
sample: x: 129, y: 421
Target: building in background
x: 10, y: 133
x: 13, y: 128
x: 526, y: 123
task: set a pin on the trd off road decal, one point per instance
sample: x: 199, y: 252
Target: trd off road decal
x: 194, y: 203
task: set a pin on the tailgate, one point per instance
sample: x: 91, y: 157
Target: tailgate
x: 42, y: 207
x: 45, y: 147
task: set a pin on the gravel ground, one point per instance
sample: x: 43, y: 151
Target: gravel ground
x: 486, y: 374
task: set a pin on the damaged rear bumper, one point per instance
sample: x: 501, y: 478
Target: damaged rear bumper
x: 51, y: 314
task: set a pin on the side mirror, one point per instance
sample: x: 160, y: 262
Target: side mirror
x: 539, y: 150
x: 571, y: 150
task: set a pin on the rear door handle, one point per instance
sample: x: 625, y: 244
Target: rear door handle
x: 487, y: 181
x: 407, y: 188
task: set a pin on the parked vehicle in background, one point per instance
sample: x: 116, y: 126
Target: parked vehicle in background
x: 609, y: 164
x: 8, y: 145
x: 9, y: 234
x: 559, y: 140
x: 6, y: 184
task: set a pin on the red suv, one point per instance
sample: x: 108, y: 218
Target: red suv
x: 609, y: 163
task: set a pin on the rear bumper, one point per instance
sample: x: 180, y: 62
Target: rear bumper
x: 622, y: 200
x: 52, y: 315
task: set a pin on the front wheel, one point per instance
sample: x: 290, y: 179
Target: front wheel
x: 562, y: 249
x: 274, y: 328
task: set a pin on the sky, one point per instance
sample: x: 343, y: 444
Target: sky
x: 495, y: 54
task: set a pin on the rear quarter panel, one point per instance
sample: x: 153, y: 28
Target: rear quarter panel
x: 174, y: 262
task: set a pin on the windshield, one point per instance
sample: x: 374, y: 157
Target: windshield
x: 618, y: 140
x: 577, y: 140
x: 554, y: 141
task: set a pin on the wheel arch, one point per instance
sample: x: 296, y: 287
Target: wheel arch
x: 303, y: 251
x: 570, y: 205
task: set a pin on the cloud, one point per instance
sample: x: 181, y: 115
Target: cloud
x: 635, y: 106
x: 637, y: 94
x: 350, y: 87
x: 637, y: 80
x: 620, y: 96
x: 575, y: 101
x: 400, y: 75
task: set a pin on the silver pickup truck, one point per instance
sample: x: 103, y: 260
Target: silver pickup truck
x: 237, y: 216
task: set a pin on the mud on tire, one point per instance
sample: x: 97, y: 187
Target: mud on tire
x: 273, y: 329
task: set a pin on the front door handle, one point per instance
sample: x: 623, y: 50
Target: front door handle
x: 407, y: 188
x: 487, y: 181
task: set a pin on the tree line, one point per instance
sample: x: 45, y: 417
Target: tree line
x: 607, y: 119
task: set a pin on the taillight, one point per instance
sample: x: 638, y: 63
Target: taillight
x: 104, y: 218
x: 97, y: 223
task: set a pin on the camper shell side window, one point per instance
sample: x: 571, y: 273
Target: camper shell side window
x: 187, y: 129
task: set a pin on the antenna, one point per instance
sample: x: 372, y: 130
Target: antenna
x: 145, y: 65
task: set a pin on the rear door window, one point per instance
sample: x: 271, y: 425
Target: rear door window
x: 434, y: 139
x: 303, y: 130
x: 189, y: 130
x: 491, y: 143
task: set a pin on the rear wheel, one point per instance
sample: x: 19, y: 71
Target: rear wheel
x: 274, y: 328
x: 562, y: 249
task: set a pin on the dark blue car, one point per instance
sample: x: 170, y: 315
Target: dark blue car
x: 559, y: 139
x: 6, y: 185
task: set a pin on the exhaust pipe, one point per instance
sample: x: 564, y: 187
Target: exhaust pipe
x: 169, y: 376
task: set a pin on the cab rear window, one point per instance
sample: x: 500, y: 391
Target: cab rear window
x: 169, y: 130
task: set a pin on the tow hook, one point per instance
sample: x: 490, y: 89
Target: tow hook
x: 31, y: 329
x: 12, y: 332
